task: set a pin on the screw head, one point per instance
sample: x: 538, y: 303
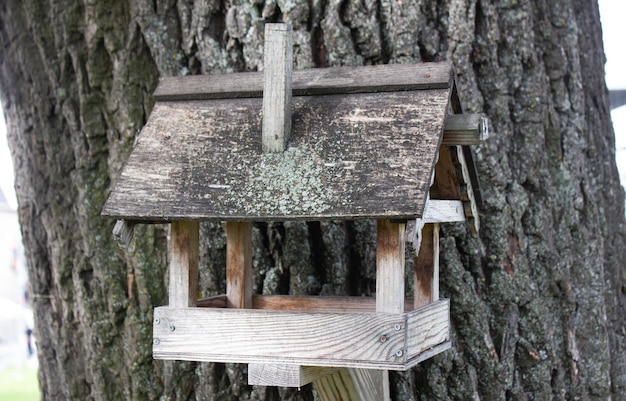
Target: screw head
x: 399, y: 353
x: 157, y: 320
x: 397, y: 327
x: 156, y: 341
x: 383, y: 339
x: 172, y: 328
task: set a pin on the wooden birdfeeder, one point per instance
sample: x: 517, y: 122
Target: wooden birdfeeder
x: 379, y: 142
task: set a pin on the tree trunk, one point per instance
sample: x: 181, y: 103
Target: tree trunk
x: 538, y: 301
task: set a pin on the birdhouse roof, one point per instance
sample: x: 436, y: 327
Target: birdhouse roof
x: 363, y: 144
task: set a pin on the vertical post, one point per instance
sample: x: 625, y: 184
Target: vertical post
x: 426, y: 267
x: 239, y: 265
x: 390, y: 267
x: 183, y: 286
x: 369, y: 384
x: 277, y: 87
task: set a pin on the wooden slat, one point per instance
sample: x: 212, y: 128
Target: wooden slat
x: 277, y: 87
x: 285, y: 375
x: 443, y: 211
x: 353, y: 340
x: 319, y: 303
x: 300, y: 338
x: 390, y: 244
x: 390, y: 267
x: 183, y: 268
x: 465, y: 129
x: 308, y: 303
x: 124, y: 231
x: 319, y: 81
x: 371, y: 384
x: 428, y: 326
x: 218, y: 301
x: 337, y: 387
x: 467, y: 193
x: 426, y: 267
x: 239, y: 278
x: 349, y: 156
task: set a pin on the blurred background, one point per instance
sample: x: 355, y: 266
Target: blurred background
x: 18, y: 360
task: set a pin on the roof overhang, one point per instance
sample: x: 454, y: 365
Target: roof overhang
x: 363, y: 144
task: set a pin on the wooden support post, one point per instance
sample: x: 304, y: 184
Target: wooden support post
x: 390, y: 267
x: 239, y: 265
x: 261, y: 374
x: 338, y: 387
x: 390, y: 243
x: 277, y: 87
x: 183, y: 286
x: 426, y: 267
x: 368, y: 384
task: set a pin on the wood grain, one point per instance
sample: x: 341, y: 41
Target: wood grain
x: 239, y: 278
x: 428, y: 325
x: 278, y: 63
x: 302, y: 338
x: 426, y: 267
x: 285, y: 375
x: 124, y: 231
x: 390, y: 267
x: 352, y: 340
x: 447, y: 184
x: 467, y: 193
x: 183, y: 268
x: 319, y: 303
x: 371, y: 384
x: 349, y: 156
x: 318, y: 81
x: 337, y: 387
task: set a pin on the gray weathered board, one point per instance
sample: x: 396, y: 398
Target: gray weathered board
x: 359, y: 340
x: 364, y: 155
x: 316, y: 81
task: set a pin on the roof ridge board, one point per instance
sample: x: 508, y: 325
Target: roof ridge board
x: 314, y: 81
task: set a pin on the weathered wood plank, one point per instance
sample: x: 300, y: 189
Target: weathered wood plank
x: 285, y: 375
x: 239, y: 278
x: 183, y: 268
x: 217, y: 301
x: 370, y: 157
x: 337, y: 387
x: 443, y: 211
x: 301, y: 338
x: 319, y: 303
x: 390, y: 267
x: 467, y: 193
x: 371, y: 384
x: 318, y: 81
x: 277, y: 87
x: 355, y: 340
x: 465, y: 129
x: 426, y: 267
x: 124, y: 231
x: 429, y: 326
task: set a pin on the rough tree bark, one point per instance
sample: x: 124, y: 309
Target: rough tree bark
x: 538, y: 301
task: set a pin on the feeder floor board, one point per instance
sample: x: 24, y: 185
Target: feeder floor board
x: 357, y: 340
x: 368, y: 155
